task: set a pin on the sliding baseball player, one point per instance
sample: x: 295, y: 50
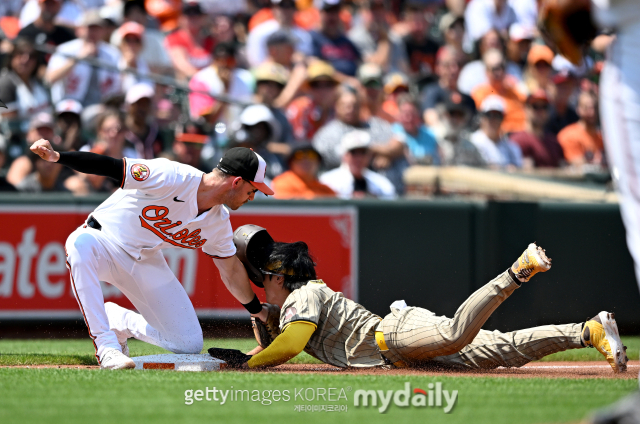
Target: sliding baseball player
x: 342, y: 333
x: 160, y: 204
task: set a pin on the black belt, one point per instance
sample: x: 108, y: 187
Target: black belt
x: 93, y: 223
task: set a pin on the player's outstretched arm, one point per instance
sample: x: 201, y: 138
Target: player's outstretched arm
x: 85, y: 162
x: 284, y: 347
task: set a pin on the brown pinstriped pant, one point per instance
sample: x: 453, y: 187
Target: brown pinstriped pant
x: 416, y: 336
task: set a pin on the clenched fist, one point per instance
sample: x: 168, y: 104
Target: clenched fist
x: 43, y: 149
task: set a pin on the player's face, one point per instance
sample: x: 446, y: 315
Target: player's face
x: 272, y: 288
x: 241, y: 193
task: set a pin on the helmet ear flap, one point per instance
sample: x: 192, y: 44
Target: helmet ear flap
x: 253, y: 246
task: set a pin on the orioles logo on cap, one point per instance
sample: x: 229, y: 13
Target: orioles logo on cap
x: 140, y: 172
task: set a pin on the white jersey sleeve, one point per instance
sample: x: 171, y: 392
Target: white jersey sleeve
x: 220, y: 244
x: 154, y: 177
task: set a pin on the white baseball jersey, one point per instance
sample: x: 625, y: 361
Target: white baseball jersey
x: 157, y: 208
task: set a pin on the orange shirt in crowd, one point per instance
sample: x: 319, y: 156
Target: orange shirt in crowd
x: 579, y: 143
x: 305, y: 118
x: 515, y: 118
x: 390, y: 108
x: 166, y: 12
x: 290, y: 186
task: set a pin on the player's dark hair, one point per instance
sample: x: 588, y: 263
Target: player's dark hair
x: 293, y: 258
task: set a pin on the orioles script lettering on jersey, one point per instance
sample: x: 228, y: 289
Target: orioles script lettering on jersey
x: 182, y: 238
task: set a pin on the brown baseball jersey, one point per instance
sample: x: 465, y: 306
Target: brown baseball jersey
x: 345, y: 330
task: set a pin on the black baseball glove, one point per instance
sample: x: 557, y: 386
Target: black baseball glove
x: 233, y: 357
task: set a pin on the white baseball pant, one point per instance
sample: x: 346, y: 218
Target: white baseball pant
x: 620, y: 113
x: 166, y: 316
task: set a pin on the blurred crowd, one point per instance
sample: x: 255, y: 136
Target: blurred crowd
x: 340, y: 97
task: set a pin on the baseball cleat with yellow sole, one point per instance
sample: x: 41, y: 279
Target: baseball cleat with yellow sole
x: 532, y: 261
x: 601, y: 332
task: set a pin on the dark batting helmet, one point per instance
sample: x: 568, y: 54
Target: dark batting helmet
x: 253, y: 246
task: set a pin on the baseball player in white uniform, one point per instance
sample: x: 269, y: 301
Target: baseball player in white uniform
x: 160, y: 204
x: 620, y: 110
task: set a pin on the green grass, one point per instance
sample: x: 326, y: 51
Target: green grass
x: 69, y: 396
x: 633, y: 351
x: 80, y: 351
x: 78, y: 396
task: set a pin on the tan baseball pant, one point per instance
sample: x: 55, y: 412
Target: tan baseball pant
x: 417, y: 336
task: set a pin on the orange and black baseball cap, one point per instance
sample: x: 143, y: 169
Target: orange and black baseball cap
x: 245, y: 163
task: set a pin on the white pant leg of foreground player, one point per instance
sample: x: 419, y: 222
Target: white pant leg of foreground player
x: 166, y: 319
x: 620, y: 112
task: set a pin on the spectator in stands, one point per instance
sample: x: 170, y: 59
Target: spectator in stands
x: 110, y: 141
x: 69, y: 125
x: 223, y: 30
x: 388, y: 150
x: 301, y: 180
x: 483, y: 15
x: 452, y: 29
x: 519, y: 43
x: 308, y: 113
x: 562, y: 111
x: 131, y: 36
x: 420, y: 47
x: 331, y: 44
x: 271, y: 79
x: 71, y: 77
x: 473, y: 74
x: 372, y: 36
x: 44, y: 30
x: 4, y: 184
x: 370, y: 76
x: 498, y: 84
x: 538, y: 73
x: 494, y: 146
x: 395, y: 85
x: 281, y: 48
x: 582, y: 141
x: 40, y: 126
x: 188, y: 145
x: 421, y: 144
x: 142, y: 132
x: 539, y: 147
x: 189, y: 46
x: 153, y: 51
x: 257, y: 128
x: 20, y: 89
x: 453, y: 134
x: 167, y: 13
x: 434, y: 95
x: 353, y: 179
x: 283, y: 12
x: 222, y: 77
x: 28, y: 174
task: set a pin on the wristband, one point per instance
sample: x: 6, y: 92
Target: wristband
x: 254, y: 307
